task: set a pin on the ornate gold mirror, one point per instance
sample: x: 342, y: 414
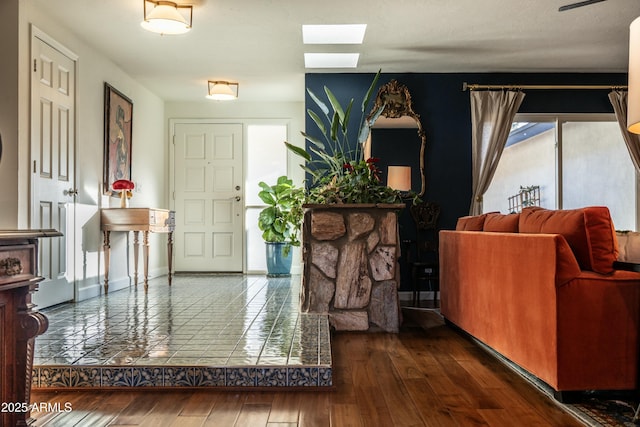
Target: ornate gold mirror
x: 397, y: 139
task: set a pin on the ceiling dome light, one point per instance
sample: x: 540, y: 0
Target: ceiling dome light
x: 165, y: 17
x: 222, y: 91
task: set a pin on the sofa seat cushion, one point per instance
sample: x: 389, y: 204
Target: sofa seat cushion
x: 589, y: 232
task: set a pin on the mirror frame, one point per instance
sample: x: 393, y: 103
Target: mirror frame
x: 395, y: 100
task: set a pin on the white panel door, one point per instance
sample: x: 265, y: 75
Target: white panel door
x: 207, y: 191
x: 53, y: 167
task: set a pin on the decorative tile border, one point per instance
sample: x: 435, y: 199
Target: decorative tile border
x: 56, y: 377
x: 295, y: 353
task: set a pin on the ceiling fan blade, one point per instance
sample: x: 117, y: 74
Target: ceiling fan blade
x: 578, y: 4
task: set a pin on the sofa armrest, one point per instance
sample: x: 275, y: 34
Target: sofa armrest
x: 524, y: 296
x: 497, y: 286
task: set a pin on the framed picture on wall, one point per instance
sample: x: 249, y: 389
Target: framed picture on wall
x: 118, y: 120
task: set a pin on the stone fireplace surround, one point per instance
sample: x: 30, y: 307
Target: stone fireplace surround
x: 350, y: 265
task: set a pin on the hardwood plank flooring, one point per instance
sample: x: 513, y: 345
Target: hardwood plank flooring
x: 427, y: 375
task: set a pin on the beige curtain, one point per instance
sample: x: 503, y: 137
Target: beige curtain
x: 492, y: 114
x: 619, y: 101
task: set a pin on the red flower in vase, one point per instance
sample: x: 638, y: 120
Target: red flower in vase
x: 125, y: 186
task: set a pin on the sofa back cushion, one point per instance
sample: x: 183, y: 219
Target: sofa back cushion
x: 589, y: 232
x: 471, y: 223
x: 501, y: 223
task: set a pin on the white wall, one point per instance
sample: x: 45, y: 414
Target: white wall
x: 149, y: 143
x: 292, y: 113
x: 527, y: 163
x: 9, y: 105
x: 247, y: 112
x: 597, y: 171
x: 149, y: 155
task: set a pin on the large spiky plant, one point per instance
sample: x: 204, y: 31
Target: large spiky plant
x: 339, y: 171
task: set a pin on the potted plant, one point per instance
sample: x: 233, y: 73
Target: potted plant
x: 350, y: 227
x: 336, y: 162
x: 280, y: 223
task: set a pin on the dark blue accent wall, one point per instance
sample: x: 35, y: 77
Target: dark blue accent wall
x: 444, y: 109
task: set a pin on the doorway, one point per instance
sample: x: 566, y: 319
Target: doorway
x: 207, y: 196
x: 53, y: 141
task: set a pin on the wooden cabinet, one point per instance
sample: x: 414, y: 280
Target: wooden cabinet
x: 19, y: 322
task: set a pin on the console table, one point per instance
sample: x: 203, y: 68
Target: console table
x: 137, y: 219
x: 19, y: 322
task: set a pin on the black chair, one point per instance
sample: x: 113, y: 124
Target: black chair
x: 424, y: 265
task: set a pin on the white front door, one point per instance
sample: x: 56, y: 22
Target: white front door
x: 53, y: 167
x: 207, y: 192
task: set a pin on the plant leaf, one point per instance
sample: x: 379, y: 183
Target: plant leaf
x: 366, y: 125
x: 324, y: 157
x: 337, y: 108
x: 318, y: 102
x: 298, y: 150
x: 310, y: 171
x: 264, y: 186
x: 317, y: 120
x: 347, y: 115
x: 266, y: 217
x: 315, y: 141
x: 284, y: 180
x: 267, y: 198
x: 334, y: 127
x: 367, y: 97
x: 376, y: 114
x: 279, y: 225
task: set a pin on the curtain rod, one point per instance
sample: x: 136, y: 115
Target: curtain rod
x: 468, y: 86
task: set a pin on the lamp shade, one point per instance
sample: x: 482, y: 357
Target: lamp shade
x: 222, y: 91
x: 399, y: 178
x: 164, y: 18
x: 633, y: 103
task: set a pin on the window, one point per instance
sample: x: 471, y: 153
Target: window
x: 575, y: 160
x: 266, y: 161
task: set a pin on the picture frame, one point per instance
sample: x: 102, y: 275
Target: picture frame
x: 118, y: 125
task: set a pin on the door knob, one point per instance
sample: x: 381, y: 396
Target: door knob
x: 237, y: 188
x: 237, y: 198
x: 70, y: 192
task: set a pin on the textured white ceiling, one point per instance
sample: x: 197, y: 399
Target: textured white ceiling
x: 259, y: 42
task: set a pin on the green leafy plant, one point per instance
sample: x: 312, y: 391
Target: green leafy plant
x: 281, y: 220
x: 339, y: 171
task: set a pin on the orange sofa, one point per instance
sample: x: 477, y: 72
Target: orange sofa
x: 540, y: 288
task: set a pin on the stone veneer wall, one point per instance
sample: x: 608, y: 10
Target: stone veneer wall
x: 350, y: 257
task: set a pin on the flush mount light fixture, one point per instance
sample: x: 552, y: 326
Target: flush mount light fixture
x: 333, y: 34
x: 331, y: 60
x: 222, y: 90
x: 166, y: 17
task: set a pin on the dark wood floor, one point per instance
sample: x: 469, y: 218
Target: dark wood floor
x: 427, y: 375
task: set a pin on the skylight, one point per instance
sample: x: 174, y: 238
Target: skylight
x: 331, y: 60
x: 333, y: 34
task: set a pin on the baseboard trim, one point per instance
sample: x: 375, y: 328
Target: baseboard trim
x: 424, y: 296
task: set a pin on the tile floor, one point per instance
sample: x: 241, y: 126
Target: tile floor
x: 204, y: 330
